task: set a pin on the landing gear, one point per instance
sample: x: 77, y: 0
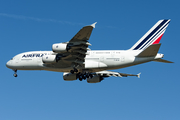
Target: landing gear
x: 91, y: 76
x: 84, y: 76
x: 74, y: 71
x: 15, y: 73
x: 81, y: 76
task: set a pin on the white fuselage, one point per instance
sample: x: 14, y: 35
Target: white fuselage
x: 96, y: 60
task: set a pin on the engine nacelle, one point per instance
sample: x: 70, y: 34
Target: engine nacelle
x: 49, y: 59
x: 69, y: 76
x: 59, y: 47
x: 95, y: 79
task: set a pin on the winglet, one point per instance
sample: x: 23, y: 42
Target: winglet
x: 93, y: 25
x: 138, y: 75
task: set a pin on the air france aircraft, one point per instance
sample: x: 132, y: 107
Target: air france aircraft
x: 77, y: 61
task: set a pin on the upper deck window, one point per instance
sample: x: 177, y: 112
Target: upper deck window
x: 102, y: 52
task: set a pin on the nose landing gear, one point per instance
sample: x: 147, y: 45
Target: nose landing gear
x: 15, y: 73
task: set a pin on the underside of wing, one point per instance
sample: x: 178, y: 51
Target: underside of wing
x: 115, y: 74
x: 99, y: 76
x: 75, y: 51
x: 84, y: 34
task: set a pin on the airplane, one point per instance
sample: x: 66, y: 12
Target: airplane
x: 77, y: 61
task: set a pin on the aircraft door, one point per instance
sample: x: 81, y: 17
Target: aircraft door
x: 122, y: 59
x: 112, y: 54
x: 102, y: 59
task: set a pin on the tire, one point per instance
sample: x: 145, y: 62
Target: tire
x: 15, y: 75
x: 72, y: 71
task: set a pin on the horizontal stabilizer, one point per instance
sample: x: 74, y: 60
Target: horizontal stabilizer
x: 164, y: 61
x: 151, y: 51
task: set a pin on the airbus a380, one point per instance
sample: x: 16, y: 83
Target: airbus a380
x: 77, y: 61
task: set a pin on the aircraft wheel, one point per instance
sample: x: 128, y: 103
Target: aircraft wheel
x: 80, y: 78
x: 87, y: 75
x: 72, y: 71
x: 83, y: 77
x: 91, y: 76
x: 15, y: 75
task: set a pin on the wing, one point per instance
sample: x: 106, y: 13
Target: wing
x: 99, y: 76
x: 115, y: 74
x: 78, y: 46
x: 84, y: 34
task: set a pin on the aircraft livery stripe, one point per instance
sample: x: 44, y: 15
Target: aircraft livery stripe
x: 158, y: 40
x: 160, y: 31
x: 153, y: 32
x: 150, y: 35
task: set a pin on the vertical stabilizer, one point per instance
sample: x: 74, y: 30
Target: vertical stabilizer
x: 153, y: 36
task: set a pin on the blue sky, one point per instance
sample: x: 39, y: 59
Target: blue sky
x: 42, y: 95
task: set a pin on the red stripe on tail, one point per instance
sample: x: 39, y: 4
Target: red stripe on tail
x: 158, y: 40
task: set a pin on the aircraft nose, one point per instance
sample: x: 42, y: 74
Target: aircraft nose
x: 8, y: 64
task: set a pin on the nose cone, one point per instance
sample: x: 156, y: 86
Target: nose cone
x: 9, y: 64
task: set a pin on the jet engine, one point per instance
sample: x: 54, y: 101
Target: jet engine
x: 95, y: 79
x: 60, y: 47
x: 49, y: 59
x: 69, y: 76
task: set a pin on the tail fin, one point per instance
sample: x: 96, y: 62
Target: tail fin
x: 153, y: 36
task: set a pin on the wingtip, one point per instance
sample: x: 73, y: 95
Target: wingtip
x: 138, y: 75
x: 93, y: 25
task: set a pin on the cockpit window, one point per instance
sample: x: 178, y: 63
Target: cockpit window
x: 13, y: 58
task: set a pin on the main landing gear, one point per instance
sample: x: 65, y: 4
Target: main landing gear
x: 74, y: 71
x: 15, y: 73
x: 83, y: 76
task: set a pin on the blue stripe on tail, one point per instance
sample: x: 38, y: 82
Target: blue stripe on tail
x: 154, y: 31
